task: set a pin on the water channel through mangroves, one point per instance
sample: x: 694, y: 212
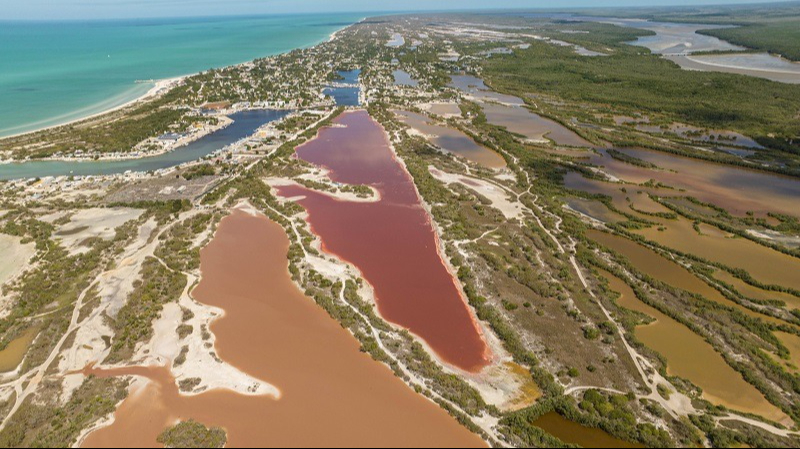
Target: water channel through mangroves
x: 244, y: 124
x: 669, y: 272
x: 738, y: 190
x: 391, y: 241
x: 520, y: 120
x: 690, y: 356
x: 764, y: 264
x: 452, y: 140
x: 331, y: 393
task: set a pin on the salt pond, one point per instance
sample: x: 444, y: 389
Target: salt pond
x: 452, y: 140
x: 332, y: 394
x: 391, y: 241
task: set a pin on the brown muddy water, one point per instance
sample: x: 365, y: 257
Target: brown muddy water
x: 764, y: 264
x: 331, y: 393
x: 667, y: 271
x: 475, y: 87
x: 690, y: 356
x: 749, y: 291
x: 15, y: 351
x: 573, y: 433
x: 738, y: 190
x: 792, y: 343
x: 391, y: 241
x: 452, y: 140
x: 519, y: 120
x: 529, y: 391
x: 631, y: 201
x: 594, y: 209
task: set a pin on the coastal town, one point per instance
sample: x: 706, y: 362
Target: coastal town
x: 224, y: 240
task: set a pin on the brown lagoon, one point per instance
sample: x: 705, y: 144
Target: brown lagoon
x: 520, y: 120
x: 689, y: 355
x: 573, y: 433
x: 452, y: 140
x: 667, y: 271
x: 739, y: 190
x: 331, y: 393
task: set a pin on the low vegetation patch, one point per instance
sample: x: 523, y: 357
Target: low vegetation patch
x: 192, y: 434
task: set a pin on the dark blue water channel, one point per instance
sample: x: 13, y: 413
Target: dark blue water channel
x: 347, y: 94
x: 244, y: 124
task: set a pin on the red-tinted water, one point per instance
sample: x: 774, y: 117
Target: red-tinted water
x: 391, y: 241
x: 332, y: 395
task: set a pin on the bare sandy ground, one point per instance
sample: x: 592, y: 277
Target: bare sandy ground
x: 201, y: 365
x: 114, y: 287
x: 91, y: 223
x: 714, y: 63
x: 15, y: 257
x: 500, y: 200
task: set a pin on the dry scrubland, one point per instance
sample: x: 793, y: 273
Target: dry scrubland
x: 563, y: 213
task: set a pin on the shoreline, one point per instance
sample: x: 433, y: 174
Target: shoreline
x: 158, y: 377
x: 704, y: 59
x: 155, y: 91
x: 490, y: 354
x: 224, y: 117
x: 169, y: 84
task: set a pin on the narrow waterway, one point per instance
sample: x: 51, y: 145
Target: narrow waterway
x: 452, y: 140
x: 244, y: 124
x: 749, y: 291
x: 669, y: 272
x: 690, y: 356
x: 764, y: 264
x: 347, y: 91
x: 738, y: 190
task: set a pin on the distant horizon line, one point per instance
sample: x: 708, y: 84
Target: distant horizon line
x: 366, y: 14
x: 377, y: 13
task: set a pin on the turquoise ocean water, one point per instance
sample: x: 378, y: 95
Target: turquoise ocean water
x: 55, y: 72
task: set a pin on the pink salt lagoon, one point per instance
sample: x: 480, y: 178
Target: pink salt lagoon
x: 391, y: 241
